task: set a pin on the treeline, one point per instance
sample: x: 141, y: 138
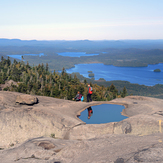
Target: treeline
x: 115, y: 57
x: 118, y: 57
x: 38, y: 80
x: 135, y: 89
x: 132, y: 89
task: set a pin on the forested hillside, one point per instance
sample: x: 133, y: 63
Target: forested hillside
x: 132, y: 89
x: 118, y: 53
x: 38, y: 80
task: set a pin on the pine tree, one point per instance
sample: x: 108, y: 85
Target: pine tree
x: 124, y: 93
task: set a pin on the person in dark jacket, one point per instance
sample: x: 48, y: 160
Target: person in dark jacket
x: 78, y: 97
x: 89, y: 93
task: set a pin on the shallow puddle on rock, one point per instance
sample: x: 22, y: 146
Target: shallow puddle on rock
x: 103, y: 113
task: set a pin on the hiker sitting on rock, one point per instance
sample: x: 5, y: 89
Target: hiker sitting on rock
x: 78, y: 97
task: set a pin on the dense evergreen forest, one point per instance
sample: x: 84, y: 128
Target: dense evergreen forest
x: 38, y: 80
x: 132, y: 89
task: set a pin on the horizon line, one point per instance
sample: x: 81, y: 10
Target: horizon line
x: 82, y: 39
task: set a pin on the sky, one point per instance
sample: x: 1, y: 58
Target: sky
x: 81, y: 19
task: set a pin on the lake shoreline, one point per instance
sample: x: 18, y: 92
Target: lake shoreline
x: 135, y: 75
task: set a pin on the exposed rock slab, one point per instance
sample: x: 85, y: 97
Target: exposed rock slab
x: 108, y: 148
x: 50, y: 116
x: 26, y: 100
x: 135, y: 139
x: 59, y: 117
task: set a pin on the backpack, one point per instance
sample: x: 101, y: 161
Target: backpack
x: 82, y: 98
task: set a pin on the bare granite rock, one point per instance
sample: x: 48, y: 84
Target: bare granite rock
x: 8, y: 84
x: 51, y: 132
x: 26, y: 100
x: 108, y: 148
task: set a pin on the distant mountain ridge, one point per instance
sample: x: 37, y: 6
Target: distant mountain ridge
x: 89, y: 44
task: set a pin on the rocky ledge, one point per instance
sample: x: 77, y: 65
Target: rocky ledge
x: 47, y: 130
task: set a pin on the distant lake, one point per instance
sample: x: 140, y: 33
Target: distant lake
x: 104, y: 113
x: 138, y: 75
x: 75, y: 54
x: 19, y: 56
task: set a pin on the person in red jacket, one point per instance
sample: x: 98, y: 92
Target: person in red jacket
x: 90, y: 112
x: 89, y: 93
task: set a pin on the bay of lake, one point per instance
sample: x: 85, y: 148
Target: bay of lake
x: 138, y: 75
x: 19, y: 56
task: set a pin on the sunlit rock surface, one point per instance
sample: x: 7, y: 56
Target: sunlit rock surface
x: 49, y: 131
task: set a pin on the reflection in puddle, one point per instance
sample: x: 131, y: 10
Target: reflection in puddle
x: 90, y: 112
x: 104, y: 113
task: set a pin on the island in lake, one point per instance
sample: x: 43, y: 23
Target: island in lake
x: 91, y: 75
x: 157, y: 70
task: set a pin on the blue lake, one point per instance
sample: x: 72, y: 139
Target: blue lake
x: 138, y: 75
x: 104, y: 113
x: 19, y: 56
x: 75, y: 54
